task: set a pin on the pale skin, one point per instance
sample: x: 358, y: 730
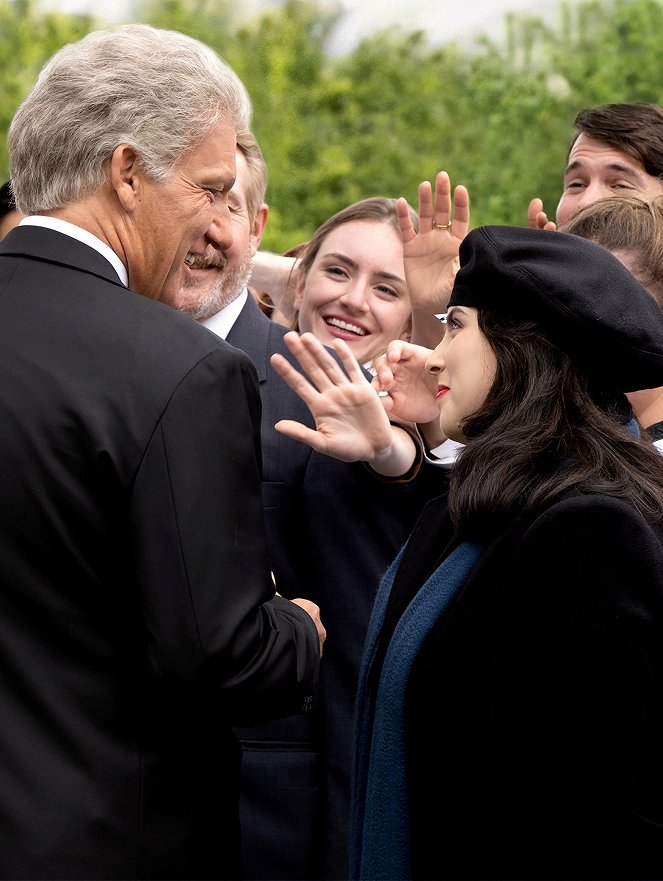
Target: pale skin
x: 275, y: 274
x: 352, y: 417
x: 430, y: 256
x: 217, y: 278
x: 412, y: 383
x: 595, y: 170
x: 430, y: 260
x: 351, y: 422
x: 355, y: 288
x: 190, y: 210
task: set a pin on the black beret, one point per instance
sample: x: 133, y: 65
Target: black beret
x: 585, y: 301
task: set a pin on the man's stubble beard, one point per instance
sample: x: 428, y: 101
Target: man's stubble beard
x: 226, y: 286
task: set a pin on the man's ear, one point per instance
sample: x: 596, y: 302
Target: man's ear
x: 126, y: 176
x: 407, y: 331
x: 258, y: 228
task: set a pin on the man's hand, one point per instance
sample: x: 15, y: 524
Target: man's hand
x: 537, y: 217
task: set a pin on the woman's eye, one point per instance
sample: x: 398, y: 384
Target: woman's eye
x: 384, y: 289
x: 336, y: 270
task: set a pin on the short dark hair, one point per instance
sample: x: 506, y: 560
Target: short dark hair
x: 636, y: 129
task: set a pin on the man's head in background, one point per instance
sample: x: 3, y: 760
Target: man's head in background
x: 617, y: 149
x: 216, y: 277
x: 632, y: 228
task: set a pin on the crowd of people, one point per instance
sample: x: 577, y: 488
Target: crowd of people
x: 340, y: 564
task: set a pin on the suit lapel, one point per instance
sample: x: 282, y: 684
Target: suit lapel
x: 250, y: 332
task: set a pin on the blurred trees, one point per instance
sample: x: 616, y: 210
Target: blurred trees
x: 28, y: 38
x: 497, y: 114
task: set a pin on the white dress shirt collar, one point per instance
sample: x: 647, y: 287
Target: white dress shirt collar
x: 82, y: 235
x: 221, y: 322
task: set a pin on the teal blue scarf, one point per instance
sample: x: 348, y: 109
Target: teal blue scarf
x: 380, y: 835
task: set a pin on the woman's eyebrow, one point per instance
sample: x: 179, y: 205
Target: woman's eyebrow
x: 354, y: 265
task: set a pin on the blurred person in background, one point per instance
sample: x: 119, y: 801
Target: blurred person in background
x: 616, y: 150
x: 633, y: 230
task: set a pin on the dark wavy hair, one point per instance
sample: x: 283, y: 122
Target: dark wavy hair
x: 545, y: 427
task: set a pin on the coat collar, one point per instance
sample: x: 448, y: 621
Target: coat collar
x: 49, y: 246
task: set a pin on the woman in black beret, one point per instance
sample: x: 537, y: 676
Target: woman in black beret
x: 510, y: 707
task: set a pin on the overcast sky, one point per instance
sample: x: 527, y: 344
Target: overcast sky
x: 442, y: 19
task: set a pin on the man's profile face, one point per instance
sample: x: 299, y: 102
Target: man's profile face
x: 596, y: 170
x: 216, y: 278
x: 188, y: 212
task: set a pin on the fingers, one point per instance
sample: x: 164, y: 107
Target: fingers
x: 322, y: 369
x: 404, y: 220
x: 352, y: 367
x: 439, y: 214
x: 442, y: 213
x: 461, y: 221
x: 400, y: 350
x: 534, y: 209
x: 296, y: 380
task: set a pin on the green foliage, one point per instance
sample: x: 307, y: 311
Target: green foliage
x: 211, y: 21
x: 28, y: 39
x: 497, y: 114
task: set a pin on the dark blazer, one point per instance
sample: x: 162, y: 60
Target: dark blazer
x: 534, y: 710
x: 135, y: 625
x: 333, y: 529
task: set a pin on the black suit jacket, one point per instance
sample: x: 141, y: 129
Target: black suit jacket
x: 135, y: 621
x: 333, y: 529
x: 534, y: 710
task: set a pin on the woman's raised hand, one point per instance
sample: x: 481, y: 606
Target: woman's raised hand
x: 350, y: 422
x: 431, y: 255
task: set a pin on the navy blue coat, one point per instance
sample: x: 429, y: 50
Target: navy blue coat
x: 533, y: 713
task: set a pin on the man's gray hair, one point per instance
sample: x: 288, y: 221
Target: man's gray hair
x: 157, y: 90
